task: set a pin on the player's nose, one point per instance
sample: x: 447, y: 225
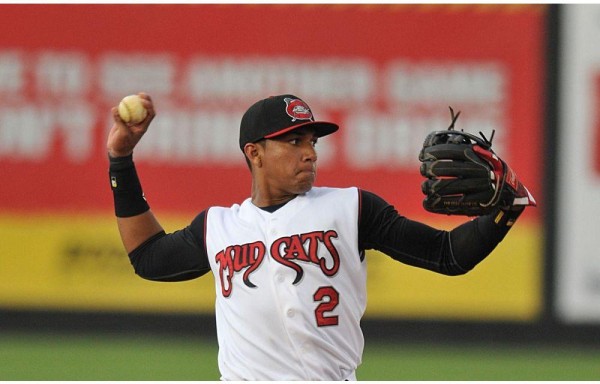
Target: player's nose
x: 310, y: 153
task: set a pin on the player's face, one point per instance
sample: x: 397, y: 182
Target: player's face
x: 290, y: 162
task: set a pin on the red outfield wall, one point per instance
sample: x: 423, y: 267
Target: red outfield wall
x: 386, y: 73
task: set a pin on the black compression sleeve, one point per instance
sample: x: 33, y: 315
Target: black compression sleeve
x: 419, y: 245
x: 471, y: 242
x: 128, y: 196
x: 178, y: 256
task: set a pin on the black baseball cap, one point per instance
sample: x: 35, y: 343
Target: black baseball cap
x: 277, y: 115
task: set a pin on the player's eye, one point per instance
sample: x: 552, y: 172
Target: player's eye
x: 299, y: 140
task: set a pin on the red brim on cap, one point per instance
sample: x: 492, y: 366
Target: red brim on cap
x: 322, y: 128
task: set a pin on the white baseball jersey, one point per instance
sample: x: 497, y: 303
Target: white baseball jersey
x: 291, y: 287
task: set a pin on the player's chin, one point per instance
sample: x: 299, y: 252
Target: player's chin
x: 305, y: 182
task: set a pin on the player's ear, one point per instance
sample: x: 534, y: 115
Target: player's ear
x: 253, y: 153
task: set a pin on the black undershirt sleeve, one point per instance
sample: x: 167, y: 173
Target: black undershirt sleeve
x: 452, y: 252
x: 182, y: 255
x: 178, y: 256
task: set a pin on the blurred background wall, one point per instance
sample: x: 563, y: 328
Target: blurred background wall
x: 386, y: 73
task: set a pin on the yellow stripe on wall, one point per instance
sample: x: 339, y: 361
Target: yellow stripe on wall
x: 77, y: 262
x: 507, y: 285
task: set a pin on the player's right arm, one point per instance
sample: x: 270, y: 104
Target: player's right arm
x: 135, y: 220
x: 154, y: 254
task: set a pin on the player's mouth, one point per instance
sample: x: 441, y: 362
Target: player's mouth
x: 307, y: 171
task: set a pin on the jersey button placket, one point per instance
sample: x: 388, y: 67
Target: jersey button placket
x: 272, y: 228
x: 282, y: 287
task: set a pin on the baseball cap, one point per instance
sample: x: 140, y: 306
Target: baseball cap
x: 277, y: 115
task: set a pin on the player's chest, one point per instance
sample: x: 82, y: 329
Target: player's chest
x: 277, y: 251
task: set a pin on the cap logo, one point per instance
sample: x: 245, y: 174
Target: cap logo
x: 297, y: 109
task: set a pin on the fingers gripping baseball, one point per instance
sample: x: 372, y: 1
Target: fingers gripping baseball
x: 123, y: 136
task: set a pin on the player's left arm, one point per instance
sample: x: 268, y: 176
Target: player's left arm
x: 452, y: 252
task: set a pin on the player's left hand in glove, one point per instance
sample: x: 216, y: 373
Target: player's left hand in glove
x: 465, y: 176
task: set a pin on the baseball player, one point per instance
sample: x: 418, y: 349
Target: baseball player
x: 289, y: 261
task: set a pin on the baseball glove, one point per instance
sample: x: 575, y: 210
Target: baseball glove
x: 465, y: 176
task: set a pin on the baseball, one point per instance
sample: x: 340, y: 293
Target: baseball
x: 131, y: 109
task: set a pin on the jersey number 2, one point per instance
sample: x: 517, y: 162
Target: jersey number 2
x: 329, y: 299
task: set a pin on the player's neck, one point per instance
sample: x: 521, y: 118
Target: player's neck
x: 272, y: 202
x: 263, y: 197
x: 273, y: 208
